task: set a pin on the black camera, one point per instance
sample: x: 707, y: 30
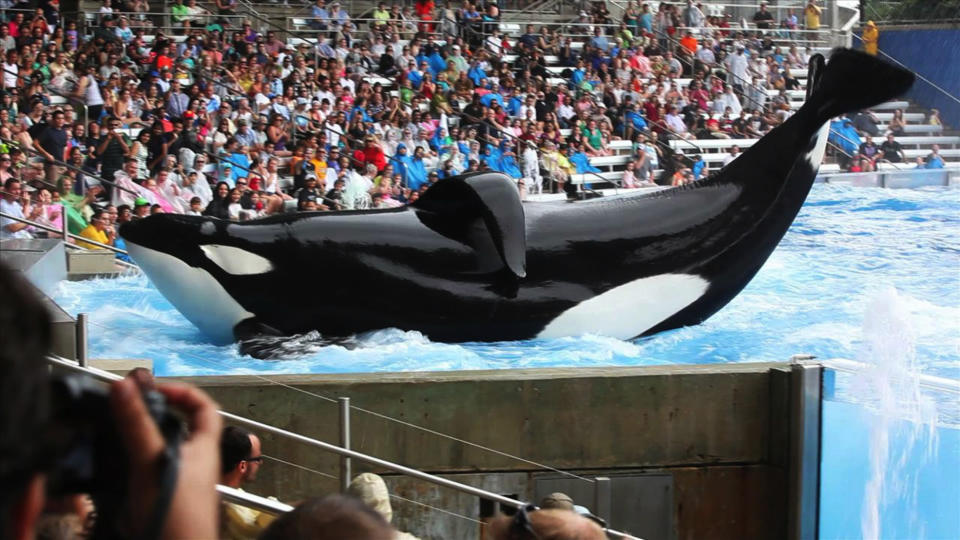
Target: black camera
x: 88, y: 452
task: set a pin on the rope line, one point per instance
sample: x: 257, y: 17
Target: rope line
x: 919, y: 76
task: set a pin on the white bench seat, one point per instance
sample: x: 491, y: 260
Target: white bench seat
x: 609, y: 161
x: 908, y: 117
x: 717, y: 145
x: 596, y: 178
x: 913, y: 153
x: 890, y: 106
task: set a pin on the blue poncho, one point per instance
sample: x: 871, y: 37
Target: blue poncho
x: 492, y: 158
x: 843, y: 134
x: 400, y: 162
x: 436, y: 63
x: 582, y: 163
x: 476, y: 74
x: 416, y: 174
x: 508, y: 165
x: 513, y: 106
x: 415, y: 78
x: 488, y: 99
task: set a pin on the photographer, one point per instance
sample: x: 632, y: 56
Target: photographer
x: 25, y: 416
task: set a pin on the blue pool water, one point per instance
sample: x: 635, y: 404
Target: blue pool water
x: 867, y: 274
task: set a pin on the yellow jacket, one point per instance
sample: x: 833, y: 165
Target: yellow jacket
x: 94, y: 234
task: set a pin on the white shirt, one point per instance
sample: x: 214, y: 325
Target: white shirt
x: 13, y: 209
x: 737, y: 64
x: 706, y: 55
x: 325, y: 95
x: 728, y: 99
x: 675, y: 123
x: 494, y: 43
x: 10, y: 72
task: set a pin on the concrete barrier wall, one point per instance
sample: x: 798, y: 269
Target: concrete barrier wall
x: 721, y: 431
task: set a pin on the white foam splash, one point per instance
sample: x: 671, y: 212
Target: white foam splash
x: 890, y: 384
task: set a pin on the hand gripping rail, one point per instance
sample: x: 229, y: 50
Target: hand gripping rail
x: 272, y: 506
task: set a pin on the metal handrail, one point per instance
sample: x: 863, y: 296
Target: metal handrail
x: 71, y: 235
x: 344, y: 452
x: 62, y: 163
x: 133, y: 16
x: 75, y: 100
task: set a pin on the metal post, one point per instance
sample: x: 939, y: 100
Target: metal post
x: 81, y: 335
x: 65, y: 229
x: 601, y: 498
x: 345, y: 473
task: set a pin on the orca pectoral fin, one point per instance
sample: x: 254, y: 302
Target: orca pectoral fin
x: 453, y: 206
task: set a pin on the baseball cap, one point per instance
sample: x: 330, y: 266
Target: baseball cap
x: 141, y: 202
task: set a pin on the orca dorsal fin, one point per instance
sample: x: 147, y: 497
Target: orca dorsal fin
x: 453, y: 206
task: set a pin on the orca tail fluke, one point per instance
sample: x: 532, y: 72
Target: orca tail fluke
x: 853, y: 80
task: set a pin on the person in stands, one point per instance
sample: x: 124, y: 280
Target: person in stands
x: 240, y: 459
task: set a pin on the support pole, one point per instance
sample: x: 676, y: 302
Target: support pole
x: 81, y: 335
x: 65, y: 229
x: 345, y: 465
x: 602, y: 498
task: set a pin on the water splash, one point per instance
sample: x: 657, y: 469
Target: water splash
x: 890, y: 384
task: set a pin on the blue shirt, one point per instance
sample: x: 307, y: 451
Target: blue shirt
x: 235, y: 172
x: 636, y: 120
x: 646, y: 22
x: 935, y: 162
x: 600, y: 42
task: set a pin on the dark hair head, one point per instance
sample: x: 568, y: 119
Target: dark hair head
x: 330, y: 518
x: 235, y: 447
x: 25, y: 327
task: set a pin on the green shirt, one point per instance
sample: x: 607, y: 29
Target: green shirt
x: 179, y: 12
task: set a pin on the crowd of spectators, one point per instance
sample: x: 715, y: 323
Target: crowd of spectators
x: 215, y: 117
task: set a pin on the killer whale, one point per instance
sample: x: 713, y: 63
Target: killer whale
x: 470, y: 262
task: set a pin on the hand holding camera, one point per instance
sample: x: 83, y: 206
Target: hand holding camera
x: 148, y: 476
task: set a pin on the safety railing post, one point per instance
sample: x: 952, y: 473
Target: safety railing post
x: 602, y: 497
x: 64, y: 225
x: 81, y: 339
x: 345, y: 464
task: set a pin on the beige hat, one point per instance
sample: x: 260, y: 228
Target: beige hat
x: 560, y: 501
x: 372, y: 490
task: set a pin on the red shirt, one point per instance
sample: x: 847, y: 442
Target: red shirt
x: 374, y: 154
